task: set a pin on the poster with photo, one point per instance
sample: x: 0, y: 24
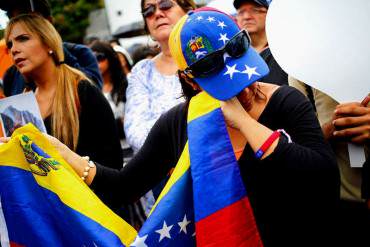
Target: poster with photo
x: 18, y: 110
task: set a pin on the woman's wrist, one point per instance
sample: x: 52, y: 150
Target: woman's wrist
x: 79, y: 164
x: 88, y: 169
x: 246, y: 122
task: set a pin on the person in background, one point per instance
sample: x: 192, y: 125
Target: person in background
x: 342, y: 124
x: 141, y: 52
x: 153, y: 86
x: 124, y: 58
x: 114, y: 81
x: 251, y: 15
x: 123, y: 55
x: 72, y: 107
x: 293, y: 186
x: 5, y: 60
x: 76, y: 55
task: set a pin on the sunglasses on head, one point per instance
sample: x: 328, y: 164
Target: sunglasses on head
x: 214, y: 62
x: 151, y: 8
x: 100, y: 56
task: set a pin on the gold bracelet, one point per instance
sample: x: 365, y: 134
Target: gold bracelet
x: 90, y: 165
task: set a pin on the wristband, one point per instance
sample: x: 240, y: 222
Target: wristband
x: 267, y: 144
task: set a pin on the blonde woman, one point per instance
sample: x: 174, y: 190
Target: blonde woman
x: 73, y: 109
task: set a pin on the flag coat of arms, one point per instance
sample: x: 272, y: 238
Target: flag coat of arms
x: 45, y: 203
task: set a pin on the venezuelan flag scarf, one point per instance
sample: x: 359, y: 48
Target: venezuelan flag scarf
x: 204, y: 202
x: 45, y: 203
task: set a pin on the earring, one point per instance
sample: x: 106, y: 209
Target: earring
x: 50, y: 52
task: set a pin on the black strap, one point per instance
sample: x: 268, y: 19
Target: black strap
x: 309, y: 92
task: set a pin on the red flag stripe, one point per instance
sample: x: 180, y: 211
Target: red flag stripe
x: 231, y: 226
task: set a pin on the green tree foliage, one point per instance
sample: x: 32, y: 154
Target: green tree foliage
x: 71, y: 17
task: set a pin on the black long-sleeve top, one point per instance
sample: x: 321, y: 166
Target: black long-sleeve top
x: 293, y: 192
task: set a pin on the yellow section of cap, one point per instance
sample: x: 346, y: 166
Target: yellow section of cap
x: 175, y: 43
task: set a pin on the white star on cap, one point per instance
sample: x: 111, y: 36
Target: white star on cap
x: 210, y: 19
x: 223, y: 37
x: 221, y: 24
x: 200, y: 18
x: 226, y: 55
x: 231, y: 70
x: 183, y: 224
x: 164, y: 232
x: 250, y: 71
x: 188, y: 20
x: 140, y: 241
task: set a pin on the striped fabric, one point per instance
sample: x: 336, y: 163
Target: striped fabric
x: 45, y: 203
x: 205, y: 203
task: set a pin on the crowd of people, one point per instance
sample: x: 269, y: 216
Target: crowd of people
x: 128, y: 114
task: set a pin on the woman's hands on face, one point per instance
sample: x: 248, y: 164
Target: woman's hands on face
x: 234, y: 113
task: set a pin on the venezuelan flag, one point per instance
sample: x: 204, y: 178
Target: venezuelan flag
x: 204, y: 203
x: 45, y: 203
x: 171, y: 221
x: 223, y: 214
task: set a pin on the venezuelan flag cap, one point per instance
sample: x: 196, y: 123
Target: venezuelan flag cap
x: 204, y: 31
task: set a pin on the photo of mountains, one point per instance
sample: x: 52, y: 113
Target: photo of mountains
x: 17, y: 111
x: 13, y: 118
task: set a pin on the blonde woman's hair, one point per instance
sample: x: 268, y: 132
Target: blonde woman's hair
x: 65, y: 106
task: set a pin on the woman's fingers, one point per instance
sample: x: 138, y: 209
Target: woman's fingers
x: 359, y: 134
x: 347, y: 122
x: 351, y: 109
x: 352, y: 122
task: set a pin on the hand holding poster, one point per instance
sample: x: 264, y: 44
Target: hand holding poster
x: 324, y: 44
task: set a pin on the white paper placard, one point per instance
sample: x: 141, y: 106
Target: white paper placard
x: 326, y: 44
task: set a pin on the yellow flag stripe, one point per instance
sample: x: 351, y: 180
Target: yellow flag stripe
x: 69, y: 187
x: 202, y: 104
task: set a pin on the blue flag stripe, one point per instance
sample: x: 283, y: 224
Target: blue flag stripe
x: 172, y: 209
x: 39, y: 220
x: 208, y: 157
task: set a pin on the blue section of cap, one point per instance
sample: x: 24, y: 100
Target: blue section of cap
x: 207, y: 31
x: 231, y: 80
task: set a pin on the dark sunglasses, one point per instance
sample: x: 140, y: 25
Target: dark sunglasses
x: 214, y: 61
x: 100, y: 57
x: 151, y: 8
